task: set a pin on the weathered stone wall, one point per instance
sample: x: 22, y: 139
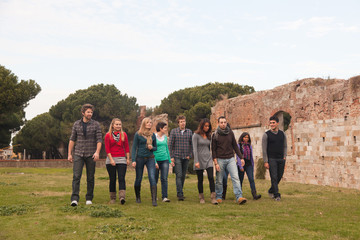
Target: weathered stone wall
x: 324, y: 132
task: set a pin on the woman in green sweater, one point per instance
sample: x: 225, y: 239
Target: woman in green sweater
x: 142, y: 154
x: 162, y: 159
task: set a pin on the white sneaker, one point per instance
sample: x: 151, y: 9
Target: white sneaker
x: 74, y: 203
x: 166, y: 200
x: 88, y: 202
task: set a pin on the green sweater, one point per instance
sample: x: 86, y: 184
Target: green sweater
x: 162, y: 152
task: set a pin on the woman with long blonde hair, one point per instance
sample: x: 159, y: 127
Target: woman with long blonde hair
x: 142, y: 154
x: 117, y: 147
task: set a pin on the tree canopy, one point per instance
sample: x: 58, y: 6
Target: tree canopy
x: 14, y: 97
x: 109, y: 103
x: 196, y: 102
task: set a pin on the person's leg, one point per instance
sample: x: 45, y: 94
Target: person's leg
x: 78, y: 165
x: 241, y: 175
x: 200, y: 177
x: 232, y: 169
x: 150, y: 165
x: 157, y: 172
x: 164, y: 169
x: 273, y: 170
x: 281, y: 168
x: 112, y: 177
x: 121, y: 169
x: 210, y: 175
x: 139, y: 169
x: 90, y: 177
x: 178, y: 173
x: 185, y: 164
x: 225, y: 179
x: 250, y: 174
x: 219, y: 179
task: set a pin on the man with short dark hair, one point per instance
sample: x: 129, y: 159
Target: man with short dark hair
x: 87, y: 135
x: 180, y: 147
x: 223, y: 145
x: 274, y: 146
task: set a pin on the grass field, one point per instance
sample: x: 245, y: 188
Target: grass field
x: 34, y: 204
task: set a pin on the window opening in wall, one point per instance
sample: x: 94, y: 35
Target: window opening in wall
x: 354, y: 139
x: 323, y: 139
x: 284, y: 120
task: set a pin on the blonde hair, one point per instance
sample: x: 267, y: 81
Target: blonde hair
x: 111, y: 128
x: 143, y: 129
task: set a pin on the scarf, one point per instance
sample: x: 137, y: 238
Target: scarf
x: 148, y: 135
x: 246, y: 151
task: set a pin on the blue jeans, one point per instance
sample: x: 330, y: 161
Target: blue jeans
x: 164, y: 169
x: 139, y: 169
x: 228, y: 165
x: 250, y: 174
x: 181, y: 166
x: 78, y: 166
x: 225, y: 178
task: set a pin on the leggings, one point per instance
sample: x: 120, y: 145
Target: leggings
x: 121, y: 170
x: 200, y: 176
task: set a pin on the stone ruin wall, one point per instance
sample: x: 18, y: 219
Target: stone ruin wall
x: 324, y: 132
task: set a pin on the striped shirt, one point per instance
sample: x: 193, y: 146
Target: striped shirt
x: 180, y: 143
x: 86, y: 145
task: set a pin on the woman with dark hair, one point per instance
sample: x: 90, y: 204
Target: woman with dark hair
x: 162, y: 159
x: 202, y: 158
x: 246, y: 149
x: 142, y: 154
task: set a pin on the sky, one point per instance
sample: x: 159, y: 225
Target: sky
x: 149, y: 49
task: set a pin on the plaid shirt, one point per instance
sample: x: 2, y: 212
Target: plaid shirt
x: 180, y: 145
x: 86, y: 146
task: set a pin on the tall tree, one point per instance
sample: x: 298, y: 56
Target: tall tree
x: 14, y: 97
x: 196, y: 102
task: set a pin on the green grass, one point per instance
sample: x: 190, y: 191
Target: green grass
x: 34, y: 204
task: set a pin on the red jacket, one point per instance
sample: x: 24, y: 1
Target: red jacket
x: 117, y: 149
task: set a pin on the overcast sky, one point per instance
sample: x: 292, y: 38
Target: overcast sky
x: 149, y: 49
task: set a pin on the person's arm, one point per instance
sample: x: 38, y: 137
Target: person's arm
x: 72, y: 140
x: 70, y: 148
x: 107, y: 149
x: 264, y: 144
x: 167, y: 150
x: 239, y: 163
x: 134, y: 148
x: 213, y: 150
x: 235, y: 147
x: 99, y: 142
x: 190, y: 145
x: 154, y: 144
x: 285, y: 146
x: 171, y: 145
x: 195, y: 150
x: 127, y: 148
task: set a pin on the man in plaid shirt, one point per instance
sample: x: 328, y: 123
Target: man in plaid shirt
x: 87, y: 135
x: 180, y: 147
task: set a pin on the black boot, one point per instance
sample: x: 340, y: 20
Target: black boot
x: 255, y: 196
x: 153, y: 195
x: 224, y: 192
x: 137, y: 193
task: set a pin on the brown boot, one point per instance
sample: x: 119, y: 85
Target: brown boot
x: 213, y: 198
x: 122, y: 196
x: 112, y: 197
x: 201, y: 197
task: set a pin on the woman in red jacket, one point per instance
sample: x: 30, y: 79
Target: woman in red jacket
x: 117, y: 147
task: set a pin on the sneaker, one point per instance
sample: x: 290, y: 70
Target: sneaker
x: 166, y: 200
x: 241, y: 200
x: 74, y: 203
x: 277, y: 198
x: 88, y: 202
x: 219, y: 200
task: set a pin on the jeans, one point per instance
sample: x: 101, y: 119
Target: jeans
x: 139, y: 169
x: 121, y: 170
x: 225, y: 178
x: 230, y: 166
x: 249, y: 169
x: 276, y: 169
x: 164, y: 169
x: 181, y: 166
x: 78, y: 166
x: 200, y: 177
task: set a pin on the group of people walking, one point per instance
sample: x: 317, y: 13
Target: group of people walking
x: 157, y: 153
